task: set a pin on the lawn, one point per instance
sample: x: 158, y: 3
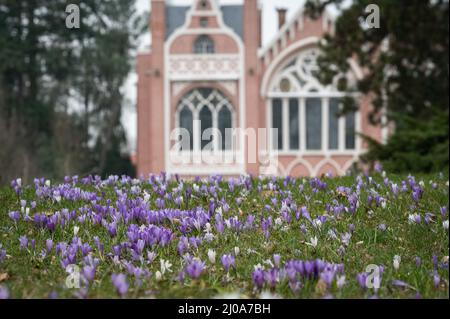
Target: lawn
x: 357, y: 236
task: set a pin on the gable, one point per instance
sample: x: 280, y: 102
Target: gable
x: 233, y: 16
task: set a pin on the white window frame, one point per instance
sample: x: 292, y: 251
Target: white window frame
x: 187, y: 100
x: 207, y: 45
x: 310, y: 88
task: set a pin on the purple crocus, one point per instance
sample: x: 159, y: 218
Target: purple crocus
x: 15, y: 215
x: 436, y: 279
x: 99, y: 244
x: 228, y: 261
x: 418, y: 261
x: 276, y: 260
x: 4, y: 293
x: 23, y: 242
x: 112, y: 229
x: 49, y: 245
x: 444, y: 211
x: 85, y: 249
x: 258, y: 278
x: 362, y: 279
x: 400, y: 284
x: 151, y: 257
x: 2, y: 255
x: 195, y: 268
x: 89, y: 273
x: 272, y: 277
x: 120, y: 283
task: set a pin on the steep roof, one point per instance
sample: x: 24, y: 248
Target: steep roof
x: 233, y: 17
x: 175, y: 18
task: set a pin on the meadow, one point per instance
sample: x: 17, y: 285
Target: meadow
x: 360, y: 236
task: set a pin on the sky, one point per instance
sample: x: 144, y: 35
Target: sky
x: 269, y: 29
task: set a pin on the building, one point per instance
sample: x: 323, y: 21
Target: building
x: 207, y: 69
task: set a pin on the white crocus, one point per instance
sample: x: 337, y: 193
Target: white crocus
x: 158, y: 275
x: 209, y: 237
x: 318, y: 223
x: 76, y: 229
x: 207, y: 228
x: 313, y: 242
x: 445, y: 224
x: 346, y: 238
x: 269, y: 263
x: 236, y: 251
x: 412, y: 218
x: 340, y: 281
x: 396, y: 262
x: 47, y: 183
x: 165, y: 266
x: 212, y: 256
x: 278, y: 221
x: 146, y: 197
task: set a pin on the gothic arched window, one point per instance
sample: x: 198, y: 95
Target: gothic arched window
x: 215, y: 115
x: 305, y: 113
x: 204, y: 45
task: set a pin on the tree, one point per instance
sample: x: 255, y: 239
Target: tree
x: 61, y: 93
x: 406, y: 72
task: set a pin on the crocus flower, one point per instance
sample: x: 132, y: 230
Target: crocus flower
x: 400, y: 283
x: 15, y: 215
x: 340, y: 281
x: 195, y: 269
x: 89, y: 273
x: 2, y: 255
x: 4, y: 292
x: 396, y: 262
x: 313, y: 242
x: 418, y: 261
x: 120, y: 283
x: 23, y: 242
x: 436, y: 279
x: 444, y: 211
x: 276, y: 260
x: 151, y: 257
x: 272, y: 277
x: 49, y: 245
x: 228, y: 261
x: 258, y: 278
x: 362, y: 280
x: 165, y: 266
x: 212, y: 256
x: 158, y: 276
x: 112, y: 229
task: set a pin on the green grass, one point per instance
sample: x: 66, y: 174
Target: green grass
x: 31, y: 276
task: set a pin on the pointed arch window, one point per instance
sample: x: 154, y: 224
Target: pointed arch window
x: 204, y: 45
x: 208, y: 116
x: 306, y: 115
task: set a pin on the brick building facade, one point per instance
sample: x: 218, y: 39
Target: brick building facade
x: 207, y: 68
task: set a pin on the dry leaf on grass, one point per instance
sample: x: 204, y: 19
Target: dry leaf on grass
x: 4, y: 276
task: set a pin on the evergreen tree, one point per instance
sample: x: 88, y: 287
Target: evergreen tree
x: 61, y: 93
x: 406, y: 72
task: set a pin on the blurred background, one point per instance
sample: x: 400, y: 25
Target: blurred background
x: 68, y: 96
